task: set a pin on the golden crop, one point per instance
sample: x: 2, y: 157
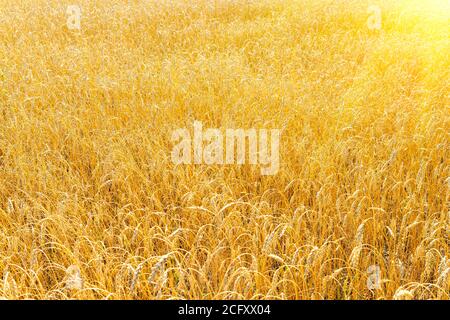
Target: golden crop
x: 92, y: 207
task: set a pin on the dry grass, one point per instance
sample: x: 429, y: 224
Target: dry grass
x: 91, y: 205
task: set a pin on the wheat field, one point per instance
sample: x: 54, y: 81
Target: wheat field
x: 92, y: 207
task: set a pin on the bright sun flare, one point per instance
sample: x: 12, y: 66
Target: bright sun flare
x: 435, y: 7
